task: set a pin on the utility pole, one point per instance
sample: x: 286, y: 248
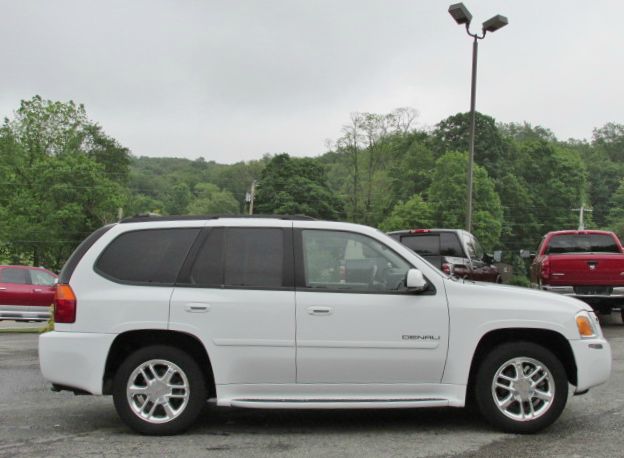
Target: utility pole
x: 582, y: 211
x: 251, y: 196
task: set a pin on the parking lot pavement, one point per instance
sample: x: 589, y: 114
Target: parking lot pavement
x: 37, y: 422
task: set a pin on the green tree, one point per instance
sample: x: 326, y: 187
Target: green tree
x: 412, y: 213
x: 447, y: 197
x: 296, y: 186
x: 178, y: 199
x: 56, y: 187
x: 212, y: 200
x: 615, y: 217
x: 491, y: 149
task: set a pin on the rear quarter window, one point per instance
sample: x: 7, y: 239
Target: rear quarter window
x: 150, y: 256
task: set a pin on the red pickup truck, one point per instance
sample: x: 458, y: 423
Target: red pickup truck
x: 588, y: 265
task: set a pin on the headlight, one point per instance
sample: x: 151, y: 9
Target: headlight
x: 587, y: 324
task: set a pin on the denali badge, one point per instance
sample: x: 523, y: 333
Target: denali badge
x: 407, y: 337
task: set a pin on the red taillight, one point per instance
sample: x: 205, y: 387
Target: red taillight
x: 545, y: 272
x: 64, y: 304
x: 446, y: 268
x: 419, y: 231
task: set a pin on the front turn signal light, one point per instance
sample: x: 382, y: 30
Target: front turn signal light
x: 584, y: 325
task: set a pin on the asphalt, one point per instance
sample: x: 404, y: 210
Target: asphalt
x: 37, y: 422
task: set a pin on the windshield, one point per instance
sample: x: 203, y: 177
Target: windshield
x: 582, y: 243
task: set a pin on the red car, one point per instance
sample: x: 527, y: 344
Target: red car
x: 588, y: 265
x: 26, y: 293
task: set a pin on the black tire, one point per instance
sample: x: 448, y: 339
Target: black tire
x: 485, y: 395
x: 195, y: 402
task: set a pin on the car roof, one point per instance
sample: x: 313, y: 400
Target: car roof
x: 420, y: 231
x: 579, y: 232
x: 154, y: 218
x: 26, y: 267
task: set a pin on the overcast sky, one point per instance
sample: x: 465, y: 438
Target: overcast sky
x: 231, y: 80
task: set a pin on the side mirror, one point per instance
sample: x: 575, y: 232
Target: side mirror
x: 415, y: 280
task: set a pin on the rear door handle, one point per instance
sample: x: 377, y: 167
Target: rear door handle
x: 2, y: 289
x: 197, y: 308
x: 37, y: 290
x: 317, y: 310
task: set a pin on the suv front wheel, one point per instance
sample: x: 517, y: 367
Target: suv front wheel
x: 521, y: 387
x: 159, y: 390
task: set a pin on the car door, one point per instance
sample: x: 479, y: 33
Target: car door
x: 237, y: 295
x: 355, y: 321
x: 480, y: 270
x: 42, y: 287
x: 15, y: 287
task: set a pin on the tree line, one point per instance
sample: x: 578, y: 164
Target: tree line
x: 61, y: 177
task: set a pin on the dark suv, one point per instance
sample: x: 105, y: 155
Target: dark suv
x: 454, y: 251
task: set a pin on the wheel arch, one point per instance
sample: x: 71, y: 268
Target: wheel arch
x: 130, y: 341
x: 551, y: 340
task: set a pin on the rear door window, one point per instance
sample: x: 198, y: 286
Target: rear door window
x: 150, y: 256
x: 254, y: 257
x: 41, y: 278
x: 242, y: 257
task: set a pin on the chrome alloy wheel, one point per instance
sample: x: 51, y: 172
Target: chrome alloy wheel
x: 523, y: 389
x: 157, y: 391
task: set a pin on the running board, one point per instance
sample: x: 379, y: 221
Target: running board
x: 337, y: 403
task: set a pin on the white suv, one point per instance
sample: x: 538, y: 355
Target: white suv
x: 282, y: 313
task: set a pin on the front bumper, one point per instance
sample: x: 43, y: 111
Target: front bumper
x: 75, y: 359
x: 593, y: 362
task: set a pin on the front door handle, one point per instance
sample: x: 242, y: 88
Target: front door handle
x: 197, y: 308
x: 3, y: 289
x: 37, y: 290
x: 317, y: 310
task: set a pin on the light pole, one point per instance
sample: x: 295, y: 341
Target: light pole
x: 462, y: 16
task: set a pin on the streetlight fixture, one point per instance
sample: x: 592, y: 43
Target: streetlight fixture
x: 463, y: 17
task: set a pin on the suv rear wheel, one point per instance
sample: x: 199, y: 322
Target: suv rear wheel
x: 159, y: 390
x: 521, y: 387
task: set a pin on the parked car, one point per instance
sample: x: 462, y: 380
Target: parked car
x: 168, y: 313
x: 453, y: 251
x: 26, y: 293
x: 588, y: 265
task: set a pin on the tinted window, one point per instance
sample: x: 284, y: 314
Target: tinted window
x: 427, y: 245
x: 450, y: 246
x: 19, y: 276
x: 352, y: 262
x: 148, y: 256
x: 254, y: 257
x: 582, y: 243
x: 39, y: 277
x: 208, y: 267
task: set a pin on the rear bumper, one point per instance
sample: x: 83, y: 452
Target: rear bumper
x: 24, y: 313
x: 75, y: 359
x: 617, y: 293
x: 593, y: 362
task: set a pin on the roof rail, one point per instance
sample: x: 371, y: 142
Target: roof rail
x: 146, y: 217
